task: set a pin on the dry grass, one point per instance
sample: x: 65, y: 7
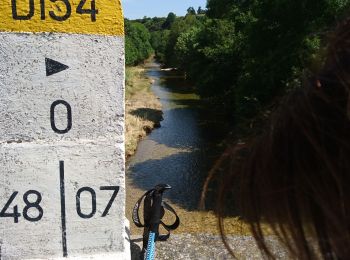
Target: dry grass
x: 143, y: 108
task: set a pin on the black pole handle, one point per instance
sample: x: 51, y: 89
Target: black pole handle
x: 157, y: 211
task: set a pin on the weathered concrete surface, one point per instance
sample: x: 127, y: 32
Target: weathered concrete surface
x: 85, y: 165
x: 92, y: 85
x: 53, y: 220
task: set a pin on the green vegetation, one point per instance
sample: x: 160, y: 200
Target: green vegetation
x: 137, y: 43
x: 135, y: 81
x: 242, y: 56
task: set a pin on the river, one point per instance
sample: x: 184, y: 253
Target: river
x: 179, y: 153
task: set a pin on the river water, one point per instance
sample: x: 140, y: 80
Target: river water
x: 179, y: 153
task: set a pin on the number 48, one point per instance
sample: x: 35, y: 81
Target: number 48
x: 35, y: 205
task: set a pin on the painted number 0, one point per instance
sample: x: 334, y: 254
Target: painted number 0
x: 69, y: 117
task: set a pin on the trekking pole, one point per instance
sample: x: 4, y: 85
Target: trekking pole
x: 155, y: 219
x: 154, y: 210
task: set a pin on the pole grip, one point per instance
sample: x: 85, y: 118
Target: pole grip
x: 156, y: 212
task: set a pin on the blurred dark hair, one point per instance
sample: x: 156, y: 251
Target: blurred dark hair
x: 295, y: 177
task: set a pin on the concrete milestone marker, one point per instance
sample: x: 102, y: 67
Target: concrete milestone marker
x: 62, y: 187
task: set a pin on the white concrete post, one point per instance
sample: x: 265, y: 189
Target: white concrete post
x: 62, y: 188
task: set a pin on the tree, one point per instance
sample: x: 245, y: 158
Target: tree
x: 169, y: 21
x: 159, y: 41
x: 155, y: 24
x: 186, y: 47
x: 180, y: 26
x: 220, y: 8
x: 137, y: 42
x: 200, y: 10
x: 191, y: 11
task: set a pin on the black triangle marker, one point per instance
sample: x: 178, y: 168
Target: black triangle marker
x: 53, y: 67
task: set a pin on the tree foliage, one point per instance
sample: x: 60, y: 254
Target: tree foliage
x: 245, y: 54
x: 200, y: 10
x: 191, y: 11
x: 241, y: 55
x: 169, y: 21
x: 137, y: 43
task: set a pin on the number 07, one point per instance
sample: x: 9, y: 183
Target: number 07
x: 93, y: 201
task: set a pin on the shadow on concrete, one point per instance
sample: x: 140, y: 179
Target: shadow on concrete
x: 136, y: 250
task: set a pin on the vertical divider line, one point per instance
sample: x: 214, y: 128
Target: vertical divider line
x: 63, y: 210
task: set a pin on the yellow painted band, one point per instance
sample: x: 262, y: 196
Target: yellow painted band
x: 104, y: 17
